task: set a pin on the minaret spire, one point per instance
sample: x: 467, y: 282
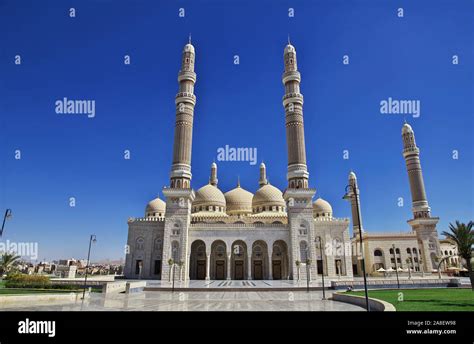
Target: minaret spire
x: 263, y: 175
x: 183, y: 133
x: 293, y: 103
x: 213, y: 179
x: 411, y: 153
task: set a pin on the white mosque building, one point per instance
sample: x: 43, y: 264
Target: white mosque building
x: 211, y: 235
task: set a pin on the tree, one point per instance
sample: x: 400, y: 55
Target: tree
x: 463, y: 236
x: 170, y: 263
x: 298, y: 263
x: 7, y: 262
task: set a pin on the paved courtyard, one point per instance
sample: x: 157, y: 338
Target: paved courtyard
x: 199, y: 301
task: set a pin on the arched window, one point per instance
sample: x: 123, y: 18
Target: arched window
x: 446, y: 252
x: 408, y: 250
x: 414, y: 250
x: 140, y: 244
x: 450, y: 253
x: 158, y: 245
x: 397, y: 251
x: 378, y: 253
x: 303, y: 251
x: 175, y: 251
x: 391, y: 251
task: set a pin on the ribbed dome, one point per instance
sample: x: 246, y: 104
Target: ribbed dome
x: 209, y: 195
x: 239, y: 201
x: 322, y: 208
x: 268, y: 196
x: 156, y: 207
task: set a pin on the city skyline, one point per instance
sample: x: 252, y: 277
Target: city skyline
x: 80, y: 157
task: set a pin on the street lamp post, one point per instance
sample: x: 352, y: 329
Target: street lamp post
x: 396, y: 267
x: 92, y: 239
x: 8, y: 215
x: 320, y: 244
x: 356, y: 197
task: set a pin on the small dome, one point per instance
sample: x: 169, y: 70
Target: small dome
x: 155, y: 208
x: 189, y: 48
x: 322, y: 208
x: 289, y: 49
x: 239, y: 201
x: 209, y: 195
x: 268, y: 196
x: 407, y: 128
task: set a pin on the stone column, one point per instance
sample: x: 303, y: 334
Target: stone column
x: 208, y: 266
x: 229, y: 256
x: 270, y: 267
x: 249, y: 265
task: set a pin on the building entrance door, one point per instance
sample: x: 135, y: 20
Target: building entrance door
x: 201, y: 270
x: 239, y: 270
x: 276, y: 269
x: 257, y: 270
x: 220, y: 269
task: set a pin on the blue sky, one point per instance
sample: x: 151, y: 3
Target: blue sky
x: 237, y: 105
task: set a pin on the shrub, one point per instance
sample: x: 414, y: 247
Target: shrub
x: 17, y: 280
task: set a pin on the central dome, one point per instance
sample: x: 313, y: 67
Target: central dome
x: 209, y: 198
x: 239, y: 201
x: 268, y: 198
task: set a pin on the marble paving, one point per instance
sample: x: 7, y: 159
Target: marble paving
x: 199, y: 301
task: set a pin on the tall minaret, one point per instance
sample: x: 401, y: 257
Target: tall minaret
x: 411, y: 153
x: 183, y: 133
x: 213, y: 179
x: 422, y: 223
x: 263, y: 175
x: 180, y: 196
x: 355, y: 202
x: 293, y: 103
x: 298, y: 196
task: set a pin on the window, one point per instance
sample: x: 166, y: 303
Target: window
x: 140, y: 244
x: 408, y: 250
x: 378, y: 253
x: 158, y: 245
x: 391, y: 251
x: 303, y: 251
x: 175, y: 251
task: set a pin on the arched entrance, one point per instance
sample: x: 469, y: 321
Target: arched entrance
x: 218, y: 260
x: 239, y: 260
x: 279, y: 260
x: 197, y: 264
x: 259, y: 260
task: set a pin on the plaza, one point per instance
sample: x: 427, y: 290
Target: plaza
x: 199, y: 301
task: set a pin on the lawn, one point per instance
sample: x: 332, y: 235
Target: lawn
x: 445, y: 299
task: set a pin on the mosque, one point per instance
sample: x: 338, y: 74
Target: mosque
x: 270, y: 235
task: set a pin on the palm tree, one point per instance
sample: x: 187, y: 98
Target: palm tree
x: 7, y: 261
x: 463, y: 236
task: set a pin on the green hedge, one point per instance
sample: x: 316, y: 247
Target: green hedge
x: 27, y: 281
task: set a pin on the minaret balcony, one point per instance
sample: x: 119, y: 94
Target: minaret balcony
x: 185, y: 97
x: 292, y: 98
x: 291, y: 76
x: 186, y: 75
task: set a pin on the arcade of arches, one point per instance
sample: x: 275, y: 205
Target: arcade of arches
x: 240, y: 261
